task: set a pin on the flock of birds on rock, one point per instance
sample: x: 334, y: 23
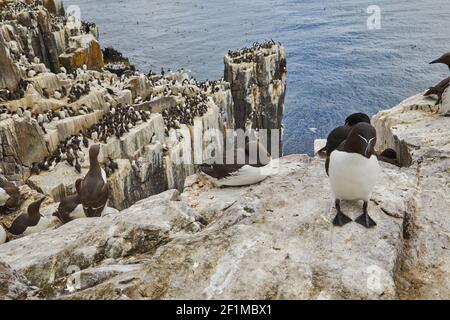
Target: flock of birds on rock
x: 11, y: 9
x: 57, y: 21
x: 249, y: 54
x: 79, y: 89
x: 117, y: 122
x: 351, y: 164
x: 44, y: 117
x: 440, y: 88
x: 68, y: 150
x: 195, y: 106
x: 193, y: 98
x: 18, y: 93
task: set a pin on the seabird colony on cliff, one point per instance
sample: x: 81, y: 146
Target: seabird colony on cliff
x: 351, y: 161
x: 91, y: 198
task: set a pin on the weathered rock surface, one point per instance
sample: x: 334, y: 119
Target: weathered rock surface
x: 256, y: 243
x: 9, y: 72
x: 54, y: 6
x: 21, y: 145
x: 83, y: 243
x: 416, y: 124
x: 273, y: 240
x: 252, y: 242
x: 83, y: 50
x: 13, y: 285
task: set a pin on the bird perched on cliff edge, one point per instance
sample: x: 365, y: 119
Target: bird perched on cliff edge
x: 353, y: 170
x: 93, y: 189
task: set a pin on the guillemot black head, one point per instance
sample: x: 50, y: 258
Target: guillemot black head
x: 444, y: 59
x: 357, y: 118
x: 361, y: 139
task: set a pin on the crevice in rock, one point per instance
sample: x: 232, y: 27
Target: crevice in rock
x: 402, y: 278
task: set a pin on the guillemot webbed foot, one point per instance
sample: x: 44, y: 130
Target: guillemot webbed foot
x: 365, y: 220
x: 340, y: 219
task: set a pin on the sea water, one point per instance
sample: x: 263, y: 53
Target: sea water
x: 343, y: 56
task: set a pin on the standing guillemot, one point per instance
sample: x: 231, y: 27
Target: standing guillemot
x: 251, y: 165
x: 353, y: 170
x: 93, y: 189
x: 70, y: 208
x: 444, y: 59
x: 26, y: 220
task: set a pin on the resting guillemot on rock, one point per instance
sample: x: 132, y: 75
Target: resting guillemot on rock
x: 250, y: 165
x: 29, y: 220
x: 70, y: 208
x: 353, y: 170
x: 93, y: 189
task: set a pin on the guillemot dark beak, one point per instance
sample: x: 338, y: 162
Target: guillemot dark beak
x: 436, y: 61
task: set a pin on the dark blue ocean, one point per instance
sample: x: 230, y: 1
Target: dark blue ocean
x: 336, y: 65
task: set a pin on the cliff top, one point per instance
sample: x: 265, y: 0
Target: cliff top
x: 273, y: 240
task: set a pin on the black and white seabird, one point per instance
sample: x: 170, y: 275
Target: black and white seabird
x: 339, y: 134
x: 93, y: 189
x: 250, y: 165
x: 444, y: 59
x: 353, y: 171
x: 27, y: 220
x: 70, y: 208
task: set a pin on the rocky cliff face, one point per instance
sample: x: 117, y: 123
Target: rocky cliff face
x: 273, y: 240
x: 48, y: 57
x: 252, y: 242
x: 422, y: 128
x: 257, y: 76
